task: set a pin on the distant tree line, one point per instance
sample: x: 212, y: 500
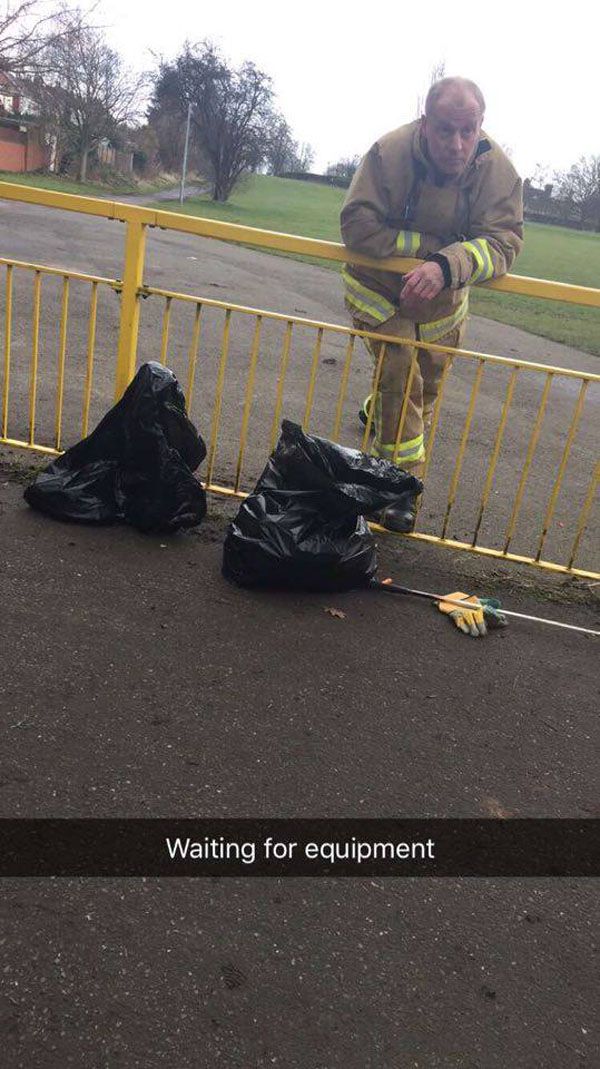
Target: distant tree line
x: 571, y: 196
x: 344, y: 169
x: 580, y: 187
x: 85, y: 95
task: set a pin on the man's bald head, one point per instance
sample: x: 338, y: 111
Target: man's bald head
x: 457, y: 91
x: 453, y: 115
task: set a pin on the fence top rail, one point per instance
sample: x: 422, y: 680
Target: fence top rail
x: 338, y: 328
x: 270, y: 239
x: 60, y: 272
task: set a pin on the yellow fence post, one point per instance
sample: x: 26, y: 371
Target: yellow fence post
x: 135, y: 249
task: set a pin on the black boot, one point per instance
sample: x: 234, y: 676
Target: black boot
x: 400, y: 516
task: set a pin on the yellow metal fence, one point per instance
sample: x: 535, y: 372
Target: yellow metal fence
x: 66, y: 278
x: 244, y: 369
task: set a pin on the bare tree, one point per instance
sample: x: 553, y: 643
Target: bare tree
x: 540, y: 176
x: 27, y: 28
x: 436, y: 73
x: 282, y: 150
x: 166, y: 118
x: 580, y: 185
x: 91, y: 94
x: 305, y: 155
x: 284, y: 154
x: 344, y: 169
x: 232, y: 112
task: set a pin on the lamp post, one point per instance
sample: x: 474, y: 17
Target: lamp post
x: 185, y: 155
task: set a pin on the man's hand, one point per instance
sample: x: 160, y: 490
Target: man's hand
x: 422, y: 284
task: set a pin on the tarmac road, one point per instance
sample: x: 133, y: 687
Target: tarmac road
x: 142, y: 684
x: 139, y: 683
x: 224, y: 272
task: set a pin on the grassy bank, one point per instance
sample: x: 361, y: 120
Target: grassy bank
x: 562, y: 255
x: 121, y: 186
x: 277, y: 204
x: 550, y: 252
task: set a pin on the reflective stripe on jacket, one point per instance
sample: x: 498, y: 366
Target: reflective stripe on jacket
x: 398, y: 205
x: 369, y: 306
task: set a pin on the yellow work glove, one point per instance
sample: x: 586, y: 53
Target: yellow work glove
x: 470, y: 619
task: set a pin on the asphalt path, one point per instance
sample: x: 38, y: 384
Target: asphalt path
x: 219, y: 271
x: 138, y: 682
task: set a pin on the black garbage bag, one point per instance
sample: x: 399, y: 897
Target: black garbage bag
x: 135, y: 467
x: 303, y: 525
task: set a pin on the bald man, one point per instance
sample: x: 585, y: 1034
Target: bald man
x: 439, y: 190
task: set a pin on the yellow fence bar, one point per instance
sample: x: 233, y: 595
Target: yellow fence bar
x: 193, y: 354
x: 248, y: 401
x: 285, y: 357
x: 62, y: 353
x: 583, y: 518
x: 314, y: 367
x: 496, y: 451
x: 60, y: 272
x: 561, y: 470
x: 462, y: 447
x: 499, y: 554
x: 435, y: 417
x: 338, y: 328
x: 89, y: 369
x: 35, y: 347
x: 412, y: 371
x: 135, y: 246
x: 164, y: 344
x: 375, y: 390
x: 7, y: 347
x: 47, y: 450
x: 71, y: 202
x: 530, y: 451
x: 548, y: 291
x: 140, y: 217
x: 339, y: 408
x: 216, y: 417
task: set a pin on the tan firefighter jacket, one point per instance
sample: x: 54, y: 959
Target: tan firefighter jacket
x: 397, y: 205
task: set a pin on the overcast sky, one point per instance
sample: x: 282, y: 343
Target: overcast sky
x: 345, y: 73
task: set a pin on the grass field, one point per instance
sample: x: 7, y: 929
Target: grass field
x: 550, y: 252
x: 87, y: 189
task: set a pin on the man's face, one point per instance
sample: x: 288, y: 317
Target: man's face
x: 452, y: 130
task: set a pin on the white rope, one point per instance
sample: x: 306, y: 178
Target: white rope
x: 393, y: 587
x: 553, y: 623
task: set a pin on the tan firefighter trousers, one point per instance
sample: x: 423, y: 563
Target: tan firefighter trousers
x: 392, y: 386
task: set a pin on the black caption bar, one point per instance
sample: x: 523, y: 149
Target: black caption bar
x: 282, y: 847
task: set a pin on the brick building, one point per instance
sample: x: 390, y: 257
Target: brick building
x: 22, y: 146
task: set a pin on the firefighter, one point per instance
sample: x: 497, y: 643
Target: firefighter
x: 439, y: 190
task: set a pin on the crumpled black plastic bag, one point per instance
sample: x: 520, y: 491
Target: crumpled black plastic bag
x: 135, y: 467
x: 303, y: 526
